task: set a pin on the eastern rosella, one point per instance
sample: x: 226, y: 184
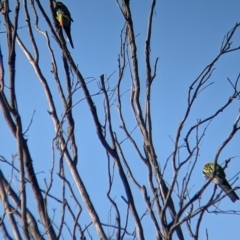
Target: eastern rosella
x: 219, y: 179
x: 64, y: 18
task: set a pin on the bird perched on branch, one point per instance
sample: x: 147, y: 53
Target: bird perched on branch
x: 63, y: 16
x: 219, y: 178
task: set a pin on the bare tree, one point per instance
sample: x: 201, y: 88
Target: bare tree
x: 170, y: 206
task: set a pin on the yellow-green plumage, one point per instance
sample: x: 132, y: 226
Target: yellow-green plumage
x: 64, y: 18
x: 219, y: 178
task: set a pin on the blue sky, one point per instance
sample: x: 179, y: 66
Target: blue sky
x: 187, y: 36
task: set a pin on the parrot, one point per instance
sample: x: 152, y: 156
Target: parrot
x: 219, y: 179
x: 63, y: 16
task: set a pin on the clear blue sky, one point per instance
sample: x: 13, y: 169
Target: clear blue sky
x: 187, y: 36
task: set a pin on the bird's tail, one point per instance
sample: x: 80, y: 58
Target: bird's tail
x: 229, y: 191
x: 69, y: 37
x: 70, y: 40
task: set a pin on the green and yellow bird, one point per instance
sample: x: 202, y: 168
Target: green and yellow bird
x: 64, y: 18
x: 219, y: 179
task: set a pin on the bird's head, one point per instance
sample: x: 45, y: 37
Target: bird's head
x: 208, y: 169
